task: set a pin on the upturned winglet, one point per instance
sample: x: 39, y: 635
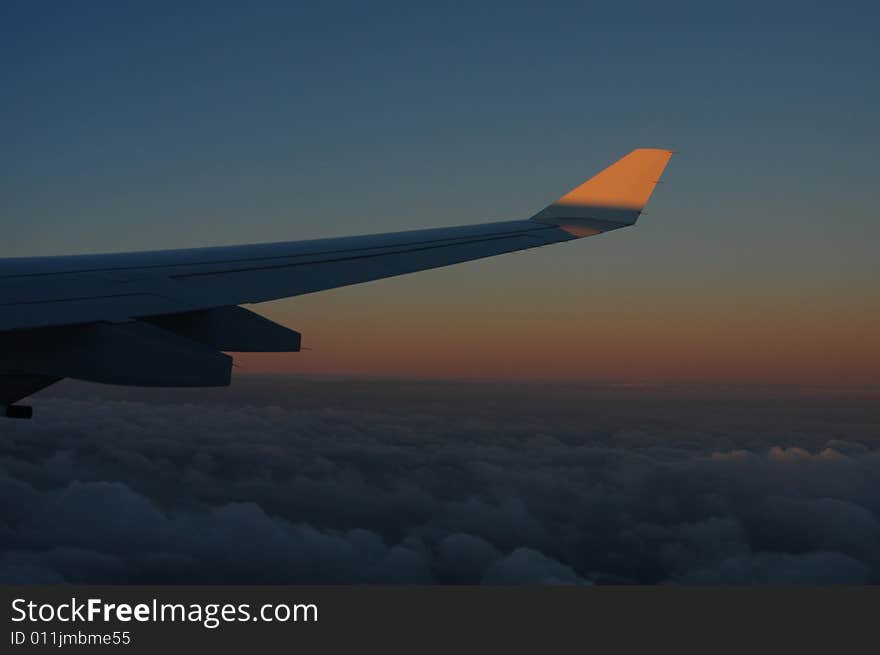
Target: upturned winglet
x: 611, y: 199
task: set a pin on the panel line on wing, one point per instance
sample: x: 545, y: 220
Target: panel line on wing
x: 51, y: 300
x: 511, y: 235
x: 524, y: 230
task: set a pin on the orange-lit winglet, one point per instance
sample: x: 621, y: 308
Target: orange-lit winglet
x: 611, y: 199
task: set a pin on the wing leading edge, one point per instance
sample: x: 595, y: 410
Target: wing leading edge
x: 100, y: 317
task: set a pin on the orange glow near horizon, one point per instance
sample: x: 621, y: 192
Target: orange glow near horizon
x: 713, y: 343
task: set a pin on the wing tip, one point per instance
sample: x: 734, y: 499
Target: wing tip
x: 613, y: 198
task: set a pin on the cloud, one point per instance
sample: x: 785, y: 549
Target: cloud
x: 462, y: 558
x: 497, y: 484
x: 527, y: 566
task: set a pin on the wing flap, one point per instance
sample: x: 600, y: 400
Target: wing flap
x: 231, y: 329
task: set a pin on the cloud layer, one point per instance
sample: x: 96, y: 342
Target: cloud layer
x: 292, y: 481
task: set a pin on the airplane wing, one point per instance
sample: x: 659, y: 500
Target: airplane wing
x: 165, y: 318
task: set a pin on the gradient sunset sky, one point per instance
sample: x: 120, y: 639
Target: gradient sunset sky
x: 175, y: 124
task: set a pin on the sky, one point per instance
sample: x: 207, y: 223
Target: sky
x: 131, y: 127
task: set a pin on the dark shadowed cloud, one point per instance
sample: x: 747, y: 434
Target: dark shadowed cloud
x: 343, y: 481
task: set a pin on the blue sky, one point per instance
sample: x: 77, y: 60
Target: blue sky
x: 129, y: 127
